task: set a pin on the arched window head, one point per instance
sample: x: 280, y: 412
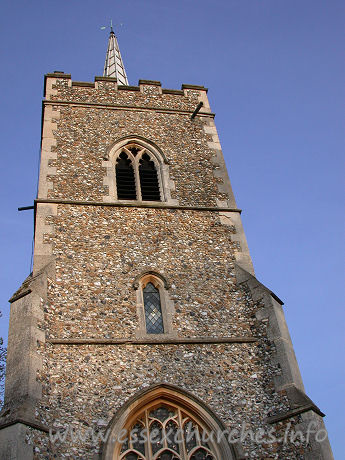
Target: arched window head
x: 154, y: 307
x: 166, y: 423
x: 165, y: 431
x: 137, y: 174
x: 148, y: 179
x: 125, y: 179
x: 137, y: 170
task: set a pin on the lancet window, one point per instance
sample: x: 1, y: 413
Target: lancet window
x: 153, y: 309
x: 137, y: 174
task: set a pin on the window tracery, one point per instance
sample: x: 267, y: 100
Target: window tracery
x: 137, y: 170
x: 165, y: 431
x: 186, y: 429
x: 148, y: 179
x: 125, y: 179
x: 137, y: 174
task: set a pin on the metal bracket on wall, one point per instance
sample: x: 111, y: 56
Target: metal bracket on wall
x: 194, y: 114
x: 25, y: 208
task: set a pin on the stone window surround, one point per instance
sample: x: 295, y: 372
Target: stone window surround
x: 151, y: 307
x: 167, y: 394
x: 162, y: 167
x: 167, y: 305
x: 182, y: 416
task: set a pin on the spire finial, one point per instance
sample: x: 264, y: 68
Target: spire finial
x: 113, y: 66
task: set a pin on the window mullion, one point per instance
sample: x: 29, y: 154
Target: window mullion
x: 183, y: 450
x: 148, y: 447
x: 137, y: 179
x: 160, y: 181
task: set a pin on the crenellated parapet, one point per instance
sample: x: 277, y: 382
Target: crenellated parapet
x: 149, y: 94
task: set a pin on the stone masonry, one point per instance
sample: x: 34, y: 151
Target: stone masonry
x: 77, y: 352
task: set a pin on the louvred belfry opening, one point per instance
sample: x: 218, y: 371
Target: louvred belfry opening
x: 125, y: 179
x: 148, y: 179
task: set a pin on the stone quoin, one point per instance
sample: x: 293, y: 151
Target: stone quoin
x: 142, y: 310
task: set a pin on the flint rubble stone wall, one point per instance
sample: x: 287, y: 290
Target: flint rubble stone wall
x: 99, y: 251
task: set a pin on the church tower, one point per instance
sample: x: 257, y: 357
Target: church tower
x: 142, y: 332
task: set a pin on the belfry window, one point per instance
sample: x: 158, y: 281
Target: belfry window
x: 137, y: 176
x: 125, y: 179
x: 148, y: 179
x: 153, y: 310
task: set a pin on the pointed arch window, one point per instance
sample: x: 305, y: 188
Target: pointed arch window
x: 148, y: 179
x: 137, y: 170
x: 137, y: 174
x: 125, y: 179
x: 164, y: 422
x: 153, y: 309
x: 166, y: 431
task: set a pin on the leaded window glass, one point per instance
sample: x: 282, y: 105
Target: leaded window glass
x: 164, y: 432
x: 153, y: 310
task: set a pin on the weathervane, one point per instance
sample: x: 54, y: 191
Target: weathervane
x: 111, y: 26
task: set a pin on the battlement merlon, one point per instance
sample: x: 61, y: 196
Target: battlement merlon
x: 149, y: 94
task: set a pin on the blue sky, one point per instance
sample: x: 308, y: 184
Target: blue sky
x: 275, y: 76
